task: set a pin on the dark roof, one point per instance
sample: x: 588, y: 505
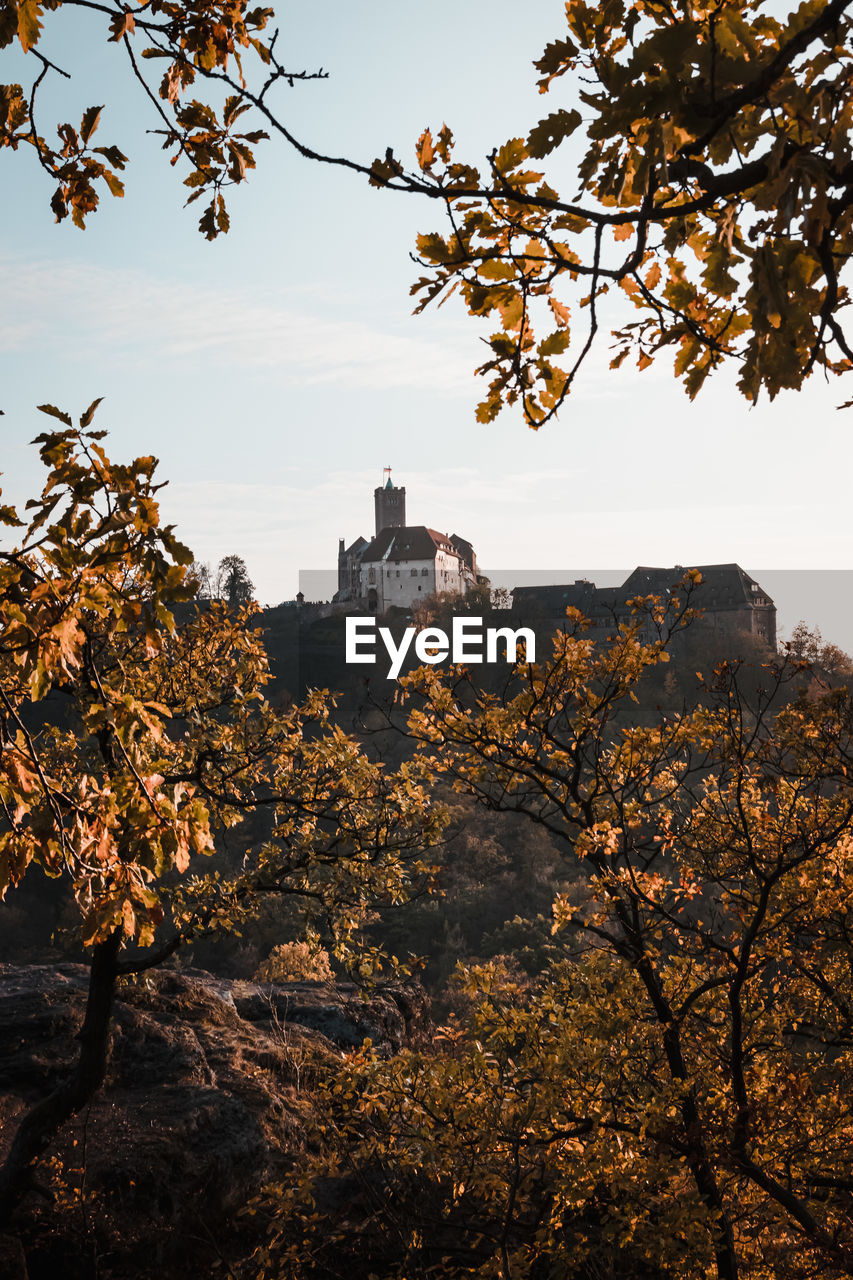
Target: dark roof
x: 356, y: 546
x: 555, y: 599
x: 411, y: 542
x: 723, y: 586
x: 465, y: 549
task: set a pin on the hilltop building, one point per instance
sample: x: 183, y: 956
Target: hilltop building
x: 730, y: 600
x: 402, y: 564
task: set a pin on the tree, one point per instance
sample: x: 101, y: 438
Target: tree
x: 480, y: 599
x: 807, y: 645
x: 212, y: 42
x: 130, y: 739
x: 714, y: 190
x: 202, y: 576
x: 672, y: 1097
x: 233, y: 582
x: 228, y: 581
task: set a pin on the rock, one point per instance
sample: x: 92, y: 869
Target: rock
x: 13, y: 1262
x: 390, y: 1020
x: 207, y: 1087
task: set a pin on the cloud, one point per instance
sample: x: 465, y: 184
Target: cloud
x: 268, y: 512
x: 144, y: 320
x: 149, y: 322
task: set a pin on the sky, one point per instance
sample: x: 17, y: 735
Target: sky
x: 277, y: 371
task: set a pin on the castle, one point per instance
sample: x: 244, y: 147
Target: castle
x: 402, y: 564
x: 730, y: 600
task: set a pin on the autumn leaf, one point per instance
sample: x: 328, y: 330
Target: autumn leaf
x: 551, y: 131
x: 90, y: 121
x: 510, y: 155
x: 55, y: 413
x: 123, y: 24
x: 653, y: 274
x: 425, y: 150
x: 29, y: 23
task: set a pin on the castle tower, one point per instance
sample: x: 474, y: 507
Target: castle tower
x: 390, y: 504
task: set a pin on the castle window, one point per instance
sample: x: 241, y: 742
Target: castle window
x: 414, y: 573
x: 424, y: 572
x: 398, y: 573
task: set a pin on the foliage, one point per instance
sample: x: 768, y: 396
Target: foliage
x: 233, y: 581
x: 295, y: 962
x: 211, y: 43
x: 481, y: 599
x: 671, y: 1097
x: 496, y: 878
x: 713, y: 187
x: 229, y: 580
x: 807, y: 645
x: 173, y: 736
x: 200, y: 580
x: 163, y: 737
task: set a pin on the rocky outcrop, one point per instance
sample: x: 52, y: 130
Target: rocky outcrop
x: 390, y: 1021
x: 206, y: 1093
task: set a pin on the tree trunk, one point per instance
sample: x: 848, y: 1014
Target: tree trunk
x: 40, y: 1125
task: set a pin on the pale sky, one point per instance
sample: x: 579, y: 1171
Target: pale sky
x: 278, y: 370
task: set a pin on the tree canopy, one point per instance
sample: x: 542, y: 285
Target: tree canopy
x: 235, y: 585
x: 213, y: 42
x: 713, y: 188
x: 671, y: 1097
x: 135, y: 729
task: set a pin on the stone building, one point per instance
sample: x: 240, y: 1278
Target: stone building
x: 402, y: 564
x: 730, y: 600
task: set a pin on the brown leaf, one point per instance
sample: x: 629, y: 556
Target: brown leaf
x: 90, y: 412
x: 52, y: 410
x: 550, y: 132
x: 123, y: 24
x: 89, y: 122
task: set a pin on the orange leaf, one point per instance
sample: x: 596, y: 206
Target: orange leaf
x: 653, y: 276
x: 425, y: 150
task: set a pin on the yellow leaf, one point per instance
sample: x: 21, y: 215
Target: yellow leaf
x: 29, y: 24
